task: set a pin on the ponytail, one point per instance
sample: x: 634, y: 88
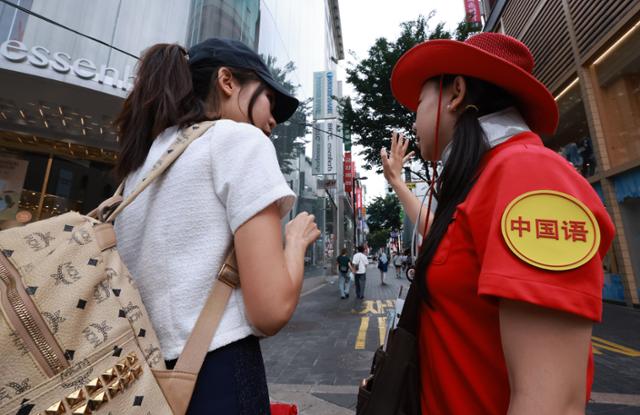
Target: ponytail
x: 162, y: 96
x: 167, y: 92
x: 460, y: 171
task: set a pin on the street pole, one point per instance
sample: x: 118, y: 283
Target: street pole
x: 340, y: 196
x: 355, y: 215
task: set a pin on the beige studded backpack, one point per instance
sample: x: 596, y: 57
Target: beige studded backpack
x: 75, y: 337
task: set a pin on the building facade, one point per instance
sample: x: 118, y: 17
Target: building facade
x: 67, y: 65
x: 588, y: 54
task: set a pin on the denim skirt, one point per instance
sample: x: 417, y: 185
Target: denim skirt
x: 232, y: 381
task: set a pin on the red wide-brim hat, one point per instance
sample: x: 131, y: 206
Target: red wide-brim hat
x: 492, y: 57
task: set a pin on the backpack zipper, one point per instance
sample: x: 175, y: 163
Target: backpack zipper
x: 27, y: 322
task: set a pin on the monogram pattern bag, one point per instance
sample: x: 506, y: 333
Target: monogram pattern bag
x: 75, y: 337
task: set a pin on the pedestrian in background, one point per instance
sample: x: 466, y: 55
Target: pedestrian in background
x: 226, y: 188
x: 500, y: 266
x: 359, y: 268
x: 397, y: 263
x: 383, y: 266
x: 406, y: 261
x: 344, y: 282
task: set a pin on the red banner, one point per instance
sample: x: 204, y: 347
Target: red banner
x: 348, y: 173
x: 358, y: 197
x: 472, y: 9
x: 348, y: 187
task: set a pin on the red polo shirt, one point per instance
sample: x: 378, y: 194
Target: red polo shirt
x: 461, y: 359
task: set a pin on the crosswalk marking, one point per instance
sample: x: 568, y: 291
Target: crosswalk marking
x: 377, y: 307
x: 598, y: 344
x: 373, y: 308
x: 362, y: 333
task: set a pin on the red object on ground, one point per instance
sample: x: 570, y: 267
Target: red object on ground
x: 284, y: 409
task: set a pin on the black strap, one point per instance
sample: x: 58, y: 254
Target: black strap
x: 409, y: 319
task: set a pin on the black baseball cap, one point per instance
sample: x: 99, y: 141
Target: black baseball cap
x: 226, y: 52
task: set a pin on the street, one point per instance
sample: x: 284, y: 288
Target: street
x: 320, y: 357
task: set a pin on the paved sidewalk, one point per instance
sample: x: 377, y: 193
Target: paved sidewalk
x: 318, y: 360
x: 314, y: 361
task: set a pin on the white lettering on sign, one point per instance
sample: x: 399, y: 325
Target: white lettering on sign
x: 84, y: 68
x: 14, y: 51
x: 61, y: 62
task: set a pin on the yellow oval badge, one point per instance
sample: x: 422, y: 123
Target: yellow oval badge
x: 550, y: 230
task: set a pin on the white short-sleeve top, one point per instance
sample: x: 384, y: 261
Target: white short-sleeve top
x: 174, y: 236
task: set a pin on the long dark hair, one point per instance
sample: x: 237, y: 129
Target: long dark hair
x: 168, y: 92
x: 460, y: 170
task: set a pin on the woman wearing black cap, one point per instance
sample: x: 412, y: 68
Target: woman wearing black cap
x: 510, y: 272
x: 226, y: 187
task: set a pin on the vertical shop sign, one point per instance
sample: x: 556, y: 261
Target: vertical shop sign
x: 324, y: 92
x: 317, y: 161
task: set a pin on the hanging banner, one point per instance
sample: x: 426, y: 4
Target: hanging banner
x: 348, y: 173
x: 317, y: 159
x: 324, y: 92
x: 358, y: 197
x: 472, y: 10
x: 330, y: 148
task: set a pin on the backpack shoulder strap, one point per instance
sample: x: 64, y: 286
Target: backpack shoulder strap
x: 184, y: 138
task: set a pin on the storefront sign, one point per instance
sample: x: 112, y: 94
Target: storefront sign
x: 12, y: 174
x: 325, y: 148
x: 318, y: 144
x: 40, y: 57
x: 324, y: 90
x: 327, y: 183
x: 330, y: 148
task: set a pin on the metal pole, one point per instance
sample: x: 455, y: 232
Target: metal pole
x: 355, y: 215
x: 45, y: 184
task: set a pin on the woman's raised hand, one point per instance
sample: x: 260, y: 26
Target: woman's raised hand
x: 393, y: 162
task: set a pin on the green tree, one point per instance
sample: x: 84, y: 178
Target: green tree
x: 374, y: 112
x: 378, y: 239
x: 384, y: 213
x: 286, y: 134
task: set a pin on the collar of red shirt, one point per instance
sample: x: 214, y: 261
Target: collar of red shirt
x: 498, y: 127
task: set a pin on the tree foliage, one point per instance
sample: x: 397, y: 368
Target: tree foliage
x: 374, y: 112
x: 378, y: 239
x: 384, y: 213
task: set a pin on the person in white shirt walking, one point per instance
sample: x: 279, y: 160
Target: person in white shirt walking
x: 359, y: 268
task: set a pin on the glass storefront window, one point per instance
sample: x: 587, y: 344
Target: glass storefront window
x: 572, y: 139
x: 617, y: 76
x: 71, y: 184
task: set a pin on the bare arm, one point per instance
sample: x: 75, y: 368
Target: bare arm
x: 546, y: 352
x: 270, y: 276
x: 392, y: 164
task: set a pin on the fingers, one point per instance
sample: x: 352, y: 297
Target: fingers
x: 394, y: 139
x: 383, y: 155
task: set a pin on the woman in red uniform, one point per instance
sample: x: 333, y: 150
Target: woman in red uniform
x: 510, y: 270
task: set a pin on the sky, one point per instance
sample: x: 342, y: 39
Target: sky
x: 363, y: 21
